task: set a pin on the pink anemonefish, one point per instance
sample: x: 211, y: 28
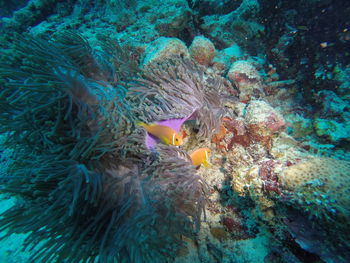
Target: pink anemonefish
x: 200, y: 156
x: 164, y: 133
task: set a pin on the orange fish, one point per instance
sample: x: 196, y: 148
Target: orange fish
x: 164, y: 133
x: 200, y: 156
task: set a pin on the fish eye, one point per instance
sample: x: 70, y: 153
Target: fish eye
x: 177, y: 139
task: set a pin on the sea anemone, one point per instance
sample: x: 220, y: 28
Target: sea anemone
x: 87, y: 188
x: 178, y: 88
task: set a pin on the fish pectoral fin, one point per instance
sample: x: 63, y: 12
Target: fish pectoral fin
x: 164, y: 140
x: 206, y: 164
x: 140, y: 123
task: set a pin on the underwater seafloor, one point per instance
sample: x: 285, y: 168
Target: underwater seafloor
x: 261, y: 87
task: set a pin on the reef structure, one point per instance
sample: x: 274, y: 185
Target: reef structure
x: 87, y: 187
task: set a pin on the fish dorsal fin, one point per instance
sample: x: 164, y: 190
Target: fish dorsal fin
x: 176, y: 123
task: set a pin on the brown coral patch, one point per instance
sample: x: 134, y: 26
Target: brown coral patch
x: 270, y: 179
x: 237, y: 128
x: 233, y: 226
x: 219, y: 137
x: 257, y: 133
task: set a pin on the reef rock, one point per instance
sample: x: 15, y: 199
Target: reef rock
x: 202, y: 50
x: 163, y: 48
x: 224, y: 58
x: 236, y: 27
x: 247, y: 79
x: 262, y: 121
x: 148, y: 20
x: 332, y: 130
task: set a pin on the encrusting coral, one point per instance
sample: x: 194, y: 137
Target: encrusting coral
x: 87, y: 187
x: 316, y: 202
x: 321, y: 185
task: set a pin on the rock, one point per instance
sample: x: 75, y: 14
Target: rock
x: 172, y: 18
x: 154, y: 19
x: 331, y: 103
x: 224, y: 58
x: 332, y: 130
x: 237, y: 26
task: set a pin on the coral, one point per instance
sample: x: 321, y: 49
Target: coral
x: 87, y: 188
x: 235, y: 227
x: 219, y: 233
x: 343, y: 76
x: 254, y: 127
x: 269, y: 178
x: 247, y: 79
x: 240, y: 135
x: 324, y: 175
x: 331, y: 122
x: 318, y: 188
x: 164, y: 48
x: 245, y: 146
x: 202, y: 50
x: 332, y: 105
x: 299, y: 126
x: 262, y: 122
